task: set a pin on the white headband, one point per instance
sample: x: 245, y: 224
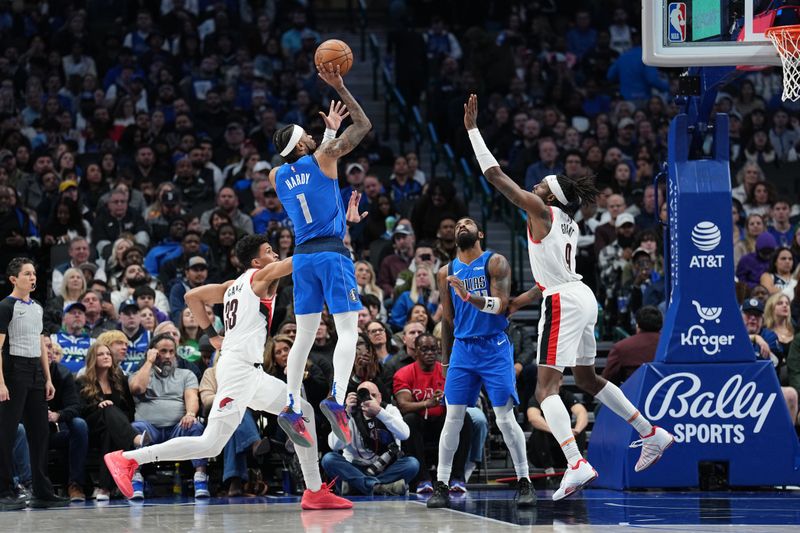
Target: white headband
x: 297, y: 132
x: 556, y: 189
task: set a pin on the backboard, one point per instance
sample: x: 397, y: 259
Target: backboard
x: 695, y: 33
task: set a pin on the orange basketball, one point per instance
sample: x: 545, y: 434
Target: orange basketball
x: 336, y: 52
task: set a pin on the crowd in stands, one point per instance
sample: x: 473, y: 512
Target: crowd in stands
x: 136, y: 139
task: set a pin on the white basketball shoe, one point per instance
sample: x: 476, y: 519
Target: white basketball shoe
x: 653, y: 447
x: 575, y: 478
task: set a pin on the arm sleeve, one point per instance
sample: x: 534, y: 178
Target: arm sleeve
x: 393, y: 421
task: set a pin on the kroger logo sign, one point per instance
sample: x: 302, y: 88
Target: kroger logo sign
x: 696, y: 335
x: 706, y: 237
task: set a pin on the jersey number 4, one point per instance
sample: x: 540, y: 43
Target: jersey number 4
x: 304, y: 206
x: 230, y: 313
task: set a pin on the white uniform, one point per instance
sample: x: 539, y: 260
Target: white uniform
x: 569, y: 311
x: 241, y: 384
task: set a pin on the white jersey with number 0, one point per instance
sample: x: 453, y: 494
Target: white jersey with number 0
x: 245, y: 323
x: 553, y: 257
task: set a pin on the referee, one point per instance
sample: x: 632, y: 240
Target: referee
x: 25, y: 388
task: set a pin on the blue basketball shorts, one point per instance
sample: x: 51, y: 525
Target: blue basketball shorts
x: 487, y: 361
x: 324, y: 278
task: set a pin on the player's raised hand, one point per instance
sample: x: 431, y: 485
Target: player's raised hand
x: 471, y: 112
x: 336, y: 114
x: 352, y: 215
x: 458, y: 286
x: 330, y: 74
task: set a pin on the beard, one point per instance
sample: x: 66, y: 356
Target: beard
x: 466, y: 240
x: 167, y: 368
x: 137, y: 282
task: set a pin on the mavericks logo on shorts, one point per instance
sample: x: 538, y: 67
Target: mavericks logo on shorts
x: 225, y: 404
x: 353, y: 295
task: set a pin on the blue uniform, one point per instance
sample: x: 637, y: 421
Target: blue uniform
x: 482, y: 353
x: 322, y: 270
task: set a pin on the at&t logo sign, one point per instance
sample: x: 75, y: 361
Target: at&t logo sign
x: 706, y: 236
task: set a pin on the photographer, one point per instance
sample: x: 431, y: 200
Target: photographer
x: 373, y: 462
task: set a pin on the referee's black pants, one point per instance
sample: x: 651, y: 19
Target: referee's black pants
x: 25, y: 381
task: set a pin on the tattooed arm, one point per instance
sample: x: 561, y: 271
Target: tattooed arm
x: 330, y: 151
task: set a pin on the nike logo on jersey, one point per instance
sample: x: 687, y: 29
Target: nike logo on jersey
x: 501, y: 342
x: 478, y: 268
x: 457, y: 272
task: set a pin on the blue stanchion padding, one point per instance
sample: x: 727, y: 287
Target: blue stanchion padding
x: 703, y: 323
x: 727, y: 412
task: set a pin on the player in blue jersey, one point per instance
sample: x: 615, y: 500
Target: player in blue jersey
x: 475, y: 352
x: 307, y: 186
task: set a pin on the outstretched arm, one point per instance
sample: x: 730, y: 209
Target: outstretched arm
x: 264, y: 277
x: 500, y: 274
x: 332, y: 150
x: 447, y: 317
x: 524, y: 300
x: 523, y: 199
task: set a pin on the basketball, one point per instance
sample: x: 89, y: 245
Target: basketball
x: 336, y: 52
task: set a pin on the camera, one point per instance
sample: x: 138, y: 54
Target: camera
x: 363, y: 395
x: 384, y: 460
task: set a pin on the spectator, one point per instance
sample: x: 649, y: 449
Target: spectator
x: 439, y: 198
x: 627, y: 355
x: 228, y: 202
x: 423, y: 290
x: 365, y: 278
x: 276, y: 354
x: 547, y: 164
x: 420, y: 313
x: 753, y: 265
x: 71, y: 432
x: 777, y: 318
x: 138, y: 337
x: 418, y: 390
x: 381, y: 219
x: 145, y: 297
x: 167, y: 405
x: 118, y: 219
x: 405, y: 190
x: 172, y: 270
x: 407, y: 353
x: 367, y: 367
x: 107, y: 406
x: 582, y: 37
x: 378, y: 337
x: 779, y: 226
x: 392, y: 265
x: 195, y: 191
x: 543, y: 449
x: 781, y: 136
x: 72, y: 289
x: 636, y: 80
x: 747, y: 177
x: 760, y: 200
x: 73, y: 338
x: 372, y: 463
x: 195, y: 275
x: 423, y: 257
x: 97, y: 320
x: 778, y: 277
x: 272, y: 216
x: 18, y: 235
x: 189, y: 346
x: 607, y: 232
x: 134, y: 276
x: 444, y: 247
x: 78, y: 255
x: 441, y: 43
x: 754, y: 226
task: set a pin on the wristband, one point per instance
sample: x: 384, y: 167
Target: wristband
x: 465, y: 298
x: 211, y: 332
x: 485, y: 158
x: 329, y: 134
x: 491, y: 305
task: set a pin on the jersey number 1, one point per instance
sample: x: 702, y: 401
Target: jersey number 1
x: 230, y: 313
x: 304, y: 206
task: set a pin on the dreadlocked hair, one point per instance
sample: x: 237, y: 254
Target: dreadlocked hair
x: 579, y: 191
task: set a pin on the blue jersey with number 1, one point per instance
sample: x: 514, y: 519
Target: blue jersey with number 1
x: 311, y: 199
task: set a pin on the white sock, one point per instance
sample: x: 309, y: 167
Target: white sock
x: 307, y: 326
x: 448, y: 441
x: 513, y: 437
x: 344, y: 355
x: 612, y: 397
x: 309, y: 457
x: 557, y: 418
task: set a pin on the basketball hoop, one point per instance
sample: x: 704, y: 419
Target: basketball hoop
x: 787, y: 41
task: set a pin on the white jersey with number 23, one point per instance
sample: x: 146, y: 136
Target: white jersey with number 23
x: 245, y: 324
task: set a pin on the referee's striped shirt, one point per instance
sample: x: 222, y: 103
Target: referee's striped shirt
x: 21, y: 323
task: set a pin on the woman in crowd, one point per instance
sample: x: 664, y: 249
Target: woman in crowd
x: 107, y: 406
x: 72, y: 289
x: 778, y: 319
x: 754, y: 226
x: 114, y: 265
x: 155, y: 208
x: 420, y: 313
x: 759, y: 149
x: 747, y: 177
x: 367, y: 368
x: 779, y: 276
x: 365, y: 279
x: 66, y: 223
x: 148, y: 318
x: 379, y: 341
x: 189, y: 346
x: 284, y: 243
x: 760, y: 200
x: 423, y: 291
x: 379, y: 210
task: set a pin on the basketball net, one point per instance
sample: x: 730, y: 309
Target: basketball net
x: 787, y: 41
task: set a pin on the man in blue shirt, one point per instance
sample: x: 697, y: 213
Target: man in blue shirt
x: 765, y: 341
x: 548, y: 164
